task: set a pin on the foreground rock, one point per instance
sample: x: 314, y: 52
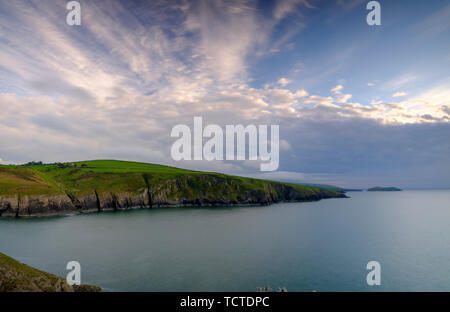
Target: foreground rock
x: 19, y: 277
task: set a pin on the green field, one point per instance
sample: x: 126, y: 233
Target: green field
x: 53, y: 179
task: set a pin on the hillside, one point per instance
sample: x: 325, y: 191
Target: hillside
x: 111, y: 185
x: 19, y: 277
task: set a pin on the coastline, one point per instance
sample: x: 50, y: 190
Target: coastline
x: 63, y: 213
x: 96, y: 186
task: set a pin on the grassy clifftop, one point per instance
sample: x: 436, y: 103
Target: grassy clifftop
x: 109, y: 184
x: 79, y: 177
x: 19, y: 277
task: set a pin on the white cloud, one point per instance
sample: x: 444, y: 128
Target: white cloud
x: 341, y: 98
x: 301, y: 93
x: 318, y: 100
x: 337, y: 89
x: 399, y: 94
x: 284, y: 81
x: 344, y: 98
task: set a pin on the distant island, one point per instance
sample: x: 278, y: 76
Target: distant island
x: 19, y: 277
x: 38, y: 189
x: 384, y: 189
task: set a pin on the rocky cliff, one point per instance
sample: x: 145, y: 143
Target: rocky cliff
x: 91, y: 191
x: 198, y: 190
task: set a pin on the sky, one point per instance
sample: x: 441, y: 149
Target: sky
x: 357, y: 105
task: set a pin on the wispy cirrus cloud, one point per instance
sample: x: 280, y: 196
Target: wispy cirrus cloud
x: 403, y: 80
x: 435, y: 23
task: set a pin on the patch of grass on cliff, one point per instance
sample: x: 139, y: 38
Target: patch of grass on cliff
x: 19, y: 276
x: 118, y: 166
x: 257, y: 184
x: 309, y: 190
x: 13, y: 264
x: 22, y: 180
x: 16, y: 276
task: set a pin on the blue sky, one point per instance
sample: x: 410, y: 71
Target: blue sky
x: 357, y: 105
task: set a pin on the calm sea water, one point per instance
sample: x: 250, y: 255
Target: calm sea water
x: 317, y: 246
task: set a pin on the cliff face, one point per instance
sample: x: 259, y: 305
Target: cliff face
x: 181, y: 190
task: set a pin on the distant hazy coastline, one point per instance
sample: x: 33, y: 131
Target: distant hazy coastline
x: 384, y: 189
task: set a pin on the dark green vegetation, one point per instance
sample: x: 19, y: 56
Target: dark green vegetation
x: 18, y: 277
x: 384, y: 189
x: 337, y: 188
x: 40, y: 189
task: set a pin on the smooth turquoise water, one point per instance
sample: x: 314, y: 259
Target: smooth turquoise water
x: 322, y: 246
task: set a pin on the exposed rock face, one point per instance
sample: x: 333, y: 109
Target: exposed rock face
x: 36, y: 205
x: 188, y: 190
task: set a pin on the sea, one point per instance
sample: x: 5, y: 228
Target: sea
x: 309, y: 246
